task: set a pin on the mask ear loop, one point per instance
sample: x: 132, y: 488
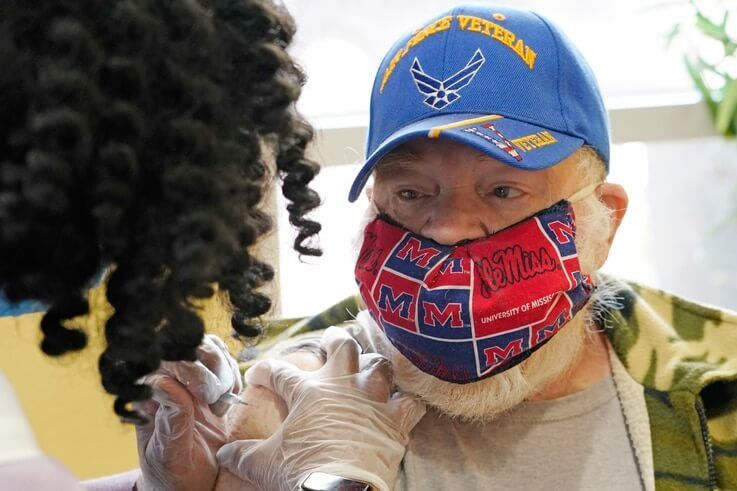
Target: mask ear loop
x: 578, y: 196
x: 583, y: 192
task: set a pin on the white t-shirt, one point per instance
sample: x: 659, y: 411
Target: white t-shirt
x: 578, y: 442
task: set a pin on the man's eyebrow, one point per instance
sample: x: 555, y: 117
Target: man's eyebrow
x: 397, y: 160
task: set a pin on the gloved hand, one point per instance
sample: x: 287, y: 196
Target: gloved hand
x: 343, y: 419
x: 176, y: 449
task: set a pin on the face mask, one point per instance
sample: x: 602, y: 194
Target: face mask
x: 468, y: 311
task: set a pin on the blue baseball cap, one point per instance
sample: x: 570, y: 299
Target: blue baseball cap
x: 506, y: 82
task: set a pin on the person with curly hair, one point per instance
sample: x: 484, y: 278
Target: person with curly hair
x: 136, y: 136
x: 135, y: 140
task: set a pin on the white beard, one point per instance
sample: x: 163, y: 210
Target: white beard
x: 486, y: 399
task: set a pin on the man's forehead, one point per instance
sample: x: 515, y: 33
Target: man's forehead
x: 413, y: 152
x: 408, y: 160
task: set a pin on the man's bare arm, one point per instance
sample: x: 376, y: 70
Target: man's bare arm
x: 264, y: 411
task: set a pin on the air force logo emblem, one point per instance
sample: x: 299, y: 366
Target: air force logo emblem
x: 440, y: 93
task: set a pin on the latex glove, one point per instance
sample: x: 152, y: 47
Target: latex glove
x: 343, y: 419
x: 186, y: 424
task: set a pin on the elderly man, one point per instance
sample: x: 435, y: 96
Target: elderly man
x: 490, y: 217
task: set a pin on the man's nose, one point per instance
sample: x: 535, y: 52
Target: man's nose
x: 455, y: 219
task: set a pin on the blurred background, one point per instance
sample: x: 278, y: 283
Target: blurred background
x: 671, y: 127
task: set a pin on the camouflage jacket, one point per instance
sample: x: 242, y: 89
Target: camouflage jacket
x: 685, y: 357
x: 681, y: 357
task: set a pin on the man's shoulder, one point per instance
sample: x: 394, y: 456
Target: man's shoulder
x: 670, y: 343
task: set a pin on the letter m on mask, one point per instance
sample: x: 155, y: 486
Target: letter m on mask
x: 497, y: 354
x: 395, y: 304
x: 561, y: 231
x: 444, y: 313
x: 502, y: 349
x: 434, y: 316
x: 564, y: 232
x: 414, y: 257
x: 415, y: 253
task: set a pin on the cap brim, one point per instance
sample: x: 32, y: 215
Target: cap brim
x: 517, y: 143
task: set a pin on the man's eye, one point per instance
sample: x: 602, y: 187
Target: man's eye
x: 505, y: 192
x: 409, y: 194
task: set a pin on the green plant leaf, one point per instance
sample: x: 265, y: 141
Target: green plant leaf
x: 672, y: 34
x: 711, y: 29
x: 695, y: 74
x: 727, y: 108
x: 729, y: 43
x: 730, y: 48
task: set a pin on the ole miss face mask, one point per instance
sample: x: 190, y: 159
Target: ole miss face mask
x: 468, y: 311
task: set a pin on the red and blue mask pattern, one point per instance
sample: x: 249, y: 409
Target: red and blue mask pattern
x: 468, y: 311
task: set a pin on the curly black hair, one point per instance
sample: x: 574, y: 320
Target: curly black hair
x: 134, y: 138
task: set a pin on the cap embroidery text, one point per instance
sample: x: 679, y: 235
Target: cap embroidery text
x: 536, y: 140
x: 439, y: 25
x: 501, y: 34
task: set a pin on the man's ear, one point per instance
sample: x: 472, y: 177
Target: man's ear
x: 615, y: 198
x: 369, y: 191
